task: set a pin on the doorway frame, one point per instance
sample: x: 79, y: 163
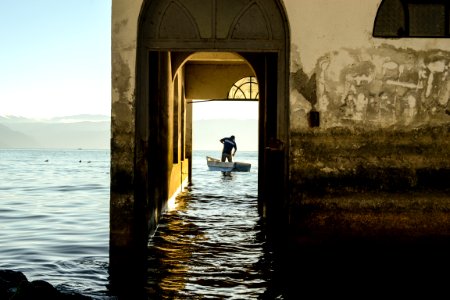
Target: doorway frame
x: 269, y: 59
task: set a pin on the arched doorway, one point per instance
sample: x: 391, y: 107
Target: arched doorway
x: 169, y: 33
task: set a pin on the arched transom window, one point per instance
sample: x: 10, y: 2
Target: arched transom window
x: 245, y: 88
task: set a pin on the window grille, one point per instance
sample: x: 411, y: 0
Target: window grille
x: 245, y: 88
x: 413, y: 18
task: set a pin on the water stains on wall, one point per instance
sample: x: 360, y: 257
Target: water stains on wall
x: 376, y: 88
x: 384, y: 122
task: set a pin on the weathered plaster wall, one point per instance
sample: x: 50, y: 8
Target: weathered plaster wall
x: 383, y: 104
x: 322, y: 26
x: 382, y: 87
x: 123, y: 61
x: 123, y: 58
x: 335, y: 59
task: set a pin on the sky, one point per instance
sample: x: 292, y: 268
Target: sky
x: 55, y: 61
x: 242, y: 110
x: 55, y: 57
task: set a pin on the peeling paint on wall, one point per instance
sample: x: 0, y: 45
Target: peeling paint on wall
x: 377, y: 88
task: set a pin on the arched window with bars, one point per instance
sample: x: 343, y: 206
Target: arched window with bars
x: 413, y: 19
x: 245, y: 88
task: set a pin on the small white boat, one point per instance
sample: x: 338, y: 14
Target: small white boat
x: 215, y: 164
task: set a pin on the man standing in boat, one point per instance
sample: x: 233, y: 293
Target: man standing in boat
x: 228, y: 145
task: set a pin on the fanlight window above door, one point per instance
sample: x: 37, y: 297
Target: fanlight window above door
x: 245, y: 88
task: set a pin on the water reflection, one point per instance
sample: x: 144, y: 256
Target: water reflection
x: 212, y: 246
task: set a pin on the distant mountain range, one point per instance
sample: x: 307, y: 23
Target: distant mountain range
x: 80, y: 131
x: 94, y: 132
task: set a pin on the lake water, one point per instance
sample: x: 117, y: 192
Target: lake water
x: 54, y: 207
x: 54, y: 212
x: 212, y: 246
x: 55, y: 227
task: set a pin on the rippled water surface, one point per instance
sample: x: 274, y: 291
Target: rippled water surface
x: 55, y: 227
x: 54, y: 212
x: 212, y: 245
